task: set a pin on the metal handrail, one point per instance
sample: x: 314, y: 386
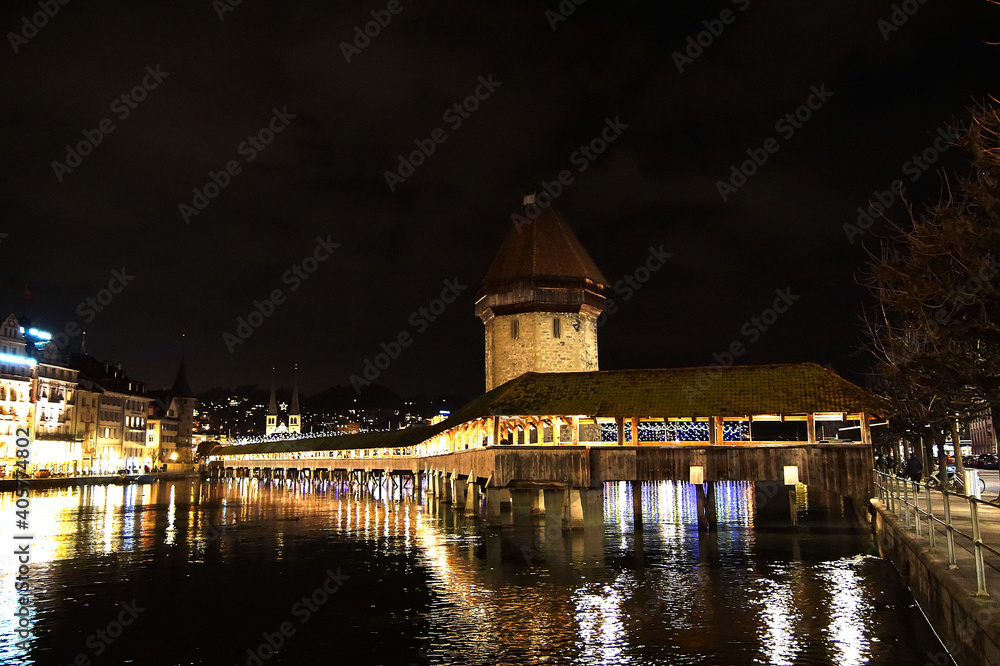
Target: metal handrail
x: 889, y: 494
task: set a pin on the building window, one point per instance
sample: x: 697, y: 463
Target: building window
x: 556, y: 329
x: 515, y: 331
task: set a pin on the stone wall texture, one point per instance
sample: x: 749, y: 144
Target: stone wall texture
x: 536, y: 349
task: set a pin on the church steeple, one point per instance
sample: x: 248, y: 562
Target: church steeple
x: 271, y: 424
x: 184, y: 402
x: 181, y: 388
x: 540, y: 298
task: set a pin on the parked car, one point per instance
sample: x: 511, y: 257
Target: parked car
x: 989, y: 461
x: 42, y: 474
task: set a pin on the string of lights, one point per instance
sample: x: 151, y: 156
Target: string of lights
x: 677, y: 431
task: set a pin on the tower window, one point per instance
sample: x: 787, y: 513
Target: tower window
x: 556, y: 328
x: 515, y: 331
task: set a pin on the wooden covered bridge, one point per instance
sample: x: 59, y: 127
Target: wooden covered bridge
x: 556, y: 438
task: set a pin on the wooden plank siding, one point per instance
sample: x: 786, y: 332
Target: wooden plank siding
x: 844, y: 469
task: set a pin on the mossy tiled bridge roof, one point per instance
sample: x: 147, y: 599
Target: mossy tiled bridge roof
x: 739, y: 391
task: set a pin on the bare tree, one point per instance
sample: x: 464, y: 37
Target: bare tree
x: 935, y: 330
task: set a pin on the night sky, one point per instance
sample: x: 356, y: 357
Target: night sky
x: 213, y: 82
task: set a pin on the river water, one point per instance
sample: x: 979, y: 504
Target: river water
x: 250, y: 573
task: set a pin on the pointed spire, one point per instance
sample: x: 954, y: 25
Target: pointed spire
x: 272, y: 406
x: 181, y: 388
x: 293, y: 410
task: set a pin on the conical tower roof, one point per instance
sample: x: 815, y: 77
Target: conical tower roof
x: 544, y: 247
x: 181, y: 388
x: 541, y: 266
x: 272, y: 405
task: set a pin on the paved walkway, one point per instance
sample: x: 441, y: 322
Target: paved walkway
x: 961, y: 516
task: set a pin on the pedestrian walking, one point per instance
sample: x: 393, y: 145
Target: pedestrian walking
x: 914, y: 470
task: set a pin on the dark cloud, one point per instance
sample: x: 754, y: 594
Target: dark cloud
x: 324, y: 174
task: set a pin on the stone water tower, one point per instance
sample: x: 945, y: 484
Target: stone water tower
x: 540, y: 298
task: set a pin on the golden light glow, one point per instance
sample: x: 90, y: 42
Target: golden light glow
x: 791, y: 475
x: 697, y: 474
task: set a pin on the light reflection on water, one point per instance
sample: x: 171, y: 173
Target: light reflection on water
x: 430, y: 586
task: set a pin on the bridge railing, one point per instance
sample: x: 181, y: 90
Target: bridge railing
x: 900, y: 496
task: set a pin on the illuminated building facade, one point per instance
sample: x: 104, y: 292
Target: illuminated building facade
x: 84, y: 415
x: 16, y: 379
x: 119, y: 411
x: 54, y: 427
x: 161, y: 436
x: 38, y: 393
x: 87, y: 396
